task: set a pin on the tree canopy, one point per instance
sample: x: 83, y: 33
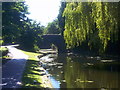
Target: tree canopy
x: 12, y: 17
x: 61, y: 19
x: 96, y: 23
x: 17, y: 27
x: 52, y: 28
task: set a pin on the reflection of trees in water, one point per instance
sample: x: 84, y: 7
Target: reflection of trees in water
x: 72, y: 73
x: 77, y: 76
x: 57, y: 70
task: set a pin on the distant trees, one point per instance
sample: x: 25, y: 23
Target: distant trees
x: 95, y: 24
x: 18, y: 28
x: 57, y: 26
x: 52, y: 28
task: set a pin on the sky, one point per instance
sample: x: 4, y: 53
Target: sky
x: 43, y: 11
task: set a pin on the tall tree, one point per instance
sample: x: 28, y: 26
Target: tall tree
x: 93, y: 22
x: 13, y: 15
x: 61, y: 18
x: 31, y: 36
x: 18, y: 28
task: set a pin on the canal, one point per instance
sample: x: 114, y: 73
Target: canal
x: 76, y: 71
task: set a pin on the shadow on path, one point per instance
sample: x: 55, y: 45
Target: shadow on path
x: 13, y: 69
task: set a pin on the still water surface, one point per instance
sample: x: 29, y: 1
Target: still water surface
x: 81, y: 72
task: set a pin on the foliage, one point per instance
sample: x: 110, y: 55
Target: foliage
x: 1, y: 41
x: 94, y: 23
x: 61, y: 19
x: 12, y: 17
x: 57, y: 26
x: 31, y: 35
x: 52, y: 28
x: 3, y: 51
x: 18, y: 28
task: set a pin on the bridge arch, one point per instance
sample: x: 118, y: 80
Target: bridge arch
x: 55, y: 39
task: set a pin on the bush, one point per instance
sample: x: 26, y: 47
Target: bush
x: 4, y: 51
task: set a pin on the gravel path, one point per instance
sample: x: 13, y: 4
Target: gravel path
x: 13, y: 69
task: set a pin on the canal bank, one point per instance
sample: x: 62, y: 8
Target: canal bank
x: 55, y: 71
x: 82, y: 71
x: 35, y: 76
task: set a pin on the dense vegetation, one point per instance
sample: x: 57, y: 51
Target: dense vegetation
x: 92, y: 24
x: 61, y: 18
x: 52, y: 28
x: 18, y: 28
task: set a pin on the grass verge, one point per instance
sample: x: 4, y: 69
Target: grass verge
x: 3, y: 49
x: 31, y: 76
x: 3, y: 52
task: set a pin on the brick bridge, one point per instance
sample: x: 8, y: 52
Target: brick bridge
x: 55, y: 39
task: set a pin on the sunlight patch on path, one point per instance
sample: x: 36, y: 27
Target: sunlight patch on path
x: 17, y: 54
x: 13, y: 69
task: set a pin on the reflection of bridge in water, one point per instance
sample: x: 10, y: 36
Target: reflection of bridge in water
x: 55, y: 39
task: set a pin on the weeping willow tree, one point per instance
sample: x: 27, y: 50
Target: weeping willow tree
x: 93, y: 22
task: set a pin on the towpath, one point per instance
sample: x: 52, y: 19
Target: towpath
x: 13, y: 69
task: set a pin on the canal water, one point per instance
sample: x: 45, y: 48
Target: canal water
x: 75, y: 71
